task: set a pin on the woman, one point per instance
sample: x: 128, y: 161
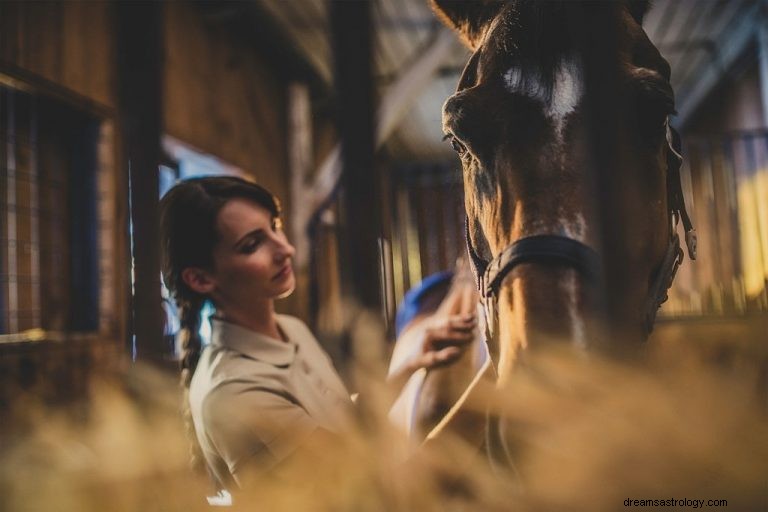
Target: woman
x: 263, y: 387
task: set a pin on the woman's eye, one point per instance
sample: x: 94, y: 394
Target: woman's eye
x: 249, y: 247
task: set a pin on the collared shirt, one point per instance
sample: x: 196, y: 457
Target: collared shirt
x: 254, y: 399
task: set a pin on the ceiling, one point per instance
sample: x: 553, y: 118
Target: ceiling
x: 700, y: 38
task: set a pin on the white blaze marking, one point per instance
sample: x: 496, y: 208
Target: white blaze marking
x: 566, y: 94
x: 567, y: 91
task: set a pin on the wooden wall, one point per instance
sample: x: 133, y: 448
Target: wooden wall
x: 222, y: 98
x: 722, y: 158
x: 736, y: 105
x: 66, y: 43
x: 65, y: 49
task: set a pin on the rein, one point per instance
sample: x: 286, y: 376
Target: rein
x: 557, y: 249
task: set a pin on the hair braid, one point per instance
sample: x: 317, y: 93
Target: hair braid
x: 191, y: 344
x: 191, y: 347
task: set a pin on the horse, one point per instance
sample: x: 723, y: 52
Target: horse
x: 571, y: 170
x: 553, y: 263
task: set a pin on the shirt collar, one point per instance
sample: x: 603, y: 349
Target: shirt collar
x: 252, y: 344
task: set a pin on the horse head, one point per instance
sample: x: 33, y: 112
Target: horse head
x: 520, y: 123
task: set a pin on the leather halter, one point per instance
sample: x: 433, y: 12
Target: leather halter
x: 557, y: 249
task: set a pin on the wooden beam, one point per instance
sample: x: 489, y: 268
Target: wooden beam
x: 139, y: 30
x: 361, y: 227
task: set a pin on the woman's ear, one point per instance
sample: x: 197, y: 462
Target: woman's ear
x: 198, y: 280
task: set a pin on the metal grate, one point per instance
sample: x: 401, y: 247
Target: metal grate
x: 49, y: 216
x: 20, y: 269
x: 427, y: 223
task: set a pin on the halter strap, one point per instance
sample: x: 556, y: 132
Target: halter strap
x: 552, y: 249
x: 478, y: 264
x: 657, y: 295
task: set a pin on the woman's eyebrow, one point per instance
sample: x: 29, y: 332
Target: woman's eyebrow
x: 250, y: 234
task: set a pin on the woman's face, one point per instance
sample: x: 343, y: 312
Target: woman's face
x: 252, y: 259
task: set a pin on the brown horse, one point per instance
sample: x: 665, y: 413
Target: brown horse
x: 523, y: 121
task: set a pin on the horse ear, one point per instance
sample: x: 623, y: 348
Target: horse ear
x: 638, y: 9
x: 467, y: 17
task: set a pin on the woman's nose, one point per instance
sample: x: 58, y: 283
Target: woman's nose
x: 284, y: 247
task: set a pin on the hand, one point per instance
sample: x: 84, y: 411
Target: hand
x: 439, y: 341
x: 445, y: 339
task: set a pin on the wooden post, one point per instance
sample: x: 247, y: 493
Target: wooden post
x: 351, y: 35
x: 393, y: 106
x: 139, y: 29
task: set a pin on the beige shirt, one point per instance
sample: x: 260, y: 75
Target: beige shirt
x: 254, y: 399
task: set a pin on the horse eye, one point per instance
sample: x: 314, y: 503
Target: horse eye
x: 457, y: 146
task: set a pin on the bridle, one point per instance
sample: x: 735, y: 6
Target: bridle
x: 562, y: 250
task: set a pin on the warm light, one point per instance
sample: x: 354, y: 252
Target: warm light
x: 753, y: 225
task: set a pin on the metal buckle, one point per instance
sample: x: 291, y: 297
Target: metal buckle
x: 691, y: 241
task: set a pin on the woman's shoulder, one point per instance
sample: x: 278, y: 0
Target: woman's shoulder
x: 223, y: 372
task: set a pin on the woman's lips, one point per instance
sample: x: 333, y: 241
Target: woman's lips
x: 284, y: 272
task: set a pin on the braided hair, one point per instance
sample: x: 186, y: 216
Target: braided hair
x: 188, y: 214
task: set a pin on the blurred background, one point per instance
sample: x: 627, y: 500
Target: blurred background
x: 104, y: 105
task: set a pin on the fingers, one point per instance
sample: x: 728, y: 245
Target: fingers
x: 453, y: 330
x: 437, y: 358
x: 446, y: 340
x: 452, y: 325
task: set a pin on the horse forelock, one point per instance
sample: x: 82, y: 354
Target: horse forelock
x: 536, y: 37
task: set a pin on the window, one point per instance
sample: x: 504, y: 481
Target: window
x: 56, y: 219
